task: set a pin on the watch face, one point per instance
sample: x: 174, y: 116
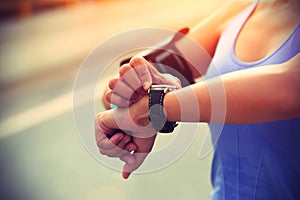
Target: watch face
x: 163, y: 87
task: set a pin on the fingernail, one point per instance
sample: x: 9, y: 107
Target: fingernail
x: 147, y: 85
x: 125, y: 175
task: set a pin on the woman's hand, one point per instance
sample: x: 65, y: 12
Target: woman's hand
x: 121, y: 131
x: 130, y: 90
x: 135, y: 79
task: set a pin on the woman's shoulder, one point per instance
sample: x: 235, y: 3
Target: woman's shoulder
x: 230, y: 10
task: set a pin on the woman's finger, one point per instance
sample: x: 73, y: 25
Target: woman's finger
x: 110, y: 143
x: 120, y: 87
x: 117, y: 100
x: 171, y: 80
x: 113, y: 82
x: 114, y: 153
x: 140, y: 66
x: 131, y: 166
x: 124, y: 153
x: 129, y: 75
x: 126, y: 139
x: 128, y: 158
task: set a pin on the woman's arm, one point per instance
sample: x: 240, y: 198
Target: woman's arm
x: 207, y: 33
x: 254, y: 95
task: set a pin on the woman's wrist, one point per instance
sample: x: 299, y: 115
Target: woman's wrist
x: 140, y: 111
x: 171, y: 107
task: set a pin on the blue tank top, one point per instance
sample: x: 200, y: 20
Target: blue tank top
x: 256, y: 161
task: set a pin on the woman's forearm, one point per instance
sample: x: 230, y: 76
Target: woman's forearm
x: 255, y: 95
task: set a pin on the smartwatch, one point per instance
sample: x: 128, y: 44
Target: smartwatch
x: 157, y: 116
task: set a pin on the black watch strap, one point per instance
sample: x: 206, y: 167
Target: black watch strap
x: 157, y: 117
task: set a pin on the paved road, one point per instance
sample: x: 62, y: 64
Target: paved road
x: 41, y: 154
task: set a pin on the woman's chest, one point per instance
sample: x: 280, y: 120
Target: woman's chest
x: 262, y: 34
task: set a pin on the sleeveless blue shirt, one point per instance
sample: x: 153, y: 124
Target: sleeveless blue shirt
x: 255, y: 161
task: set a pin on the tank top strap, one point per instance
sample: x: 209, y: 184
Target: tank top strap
x: 231, y: 33
x: 226, y: 43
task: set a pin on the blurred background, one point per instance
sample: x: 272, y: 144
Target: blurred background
x: 42, y: 44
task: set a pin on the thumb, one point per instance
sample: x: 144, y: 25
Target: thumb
x: 125, y: 174
x: 144, y: 147
x: 129, y: 168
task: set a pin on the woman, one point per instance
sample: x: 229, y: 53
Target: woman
x: 255, y: 46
